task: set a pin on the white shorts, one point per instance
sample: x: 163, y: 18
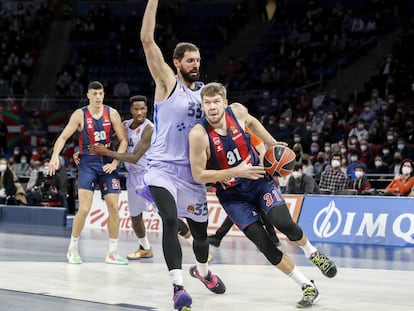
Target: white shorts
x: 189, y: 196
x: 136, y: 203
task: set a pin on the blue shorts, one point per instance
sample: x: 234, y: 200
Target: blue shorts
x: 90, y: 173
x: 243, y: 202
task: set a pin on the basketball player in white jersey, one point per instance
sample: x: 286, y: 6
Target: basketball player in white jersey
x: 177, y: 108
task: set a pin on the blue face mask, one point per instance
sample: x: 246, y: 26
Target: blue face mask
x: 23, y: 161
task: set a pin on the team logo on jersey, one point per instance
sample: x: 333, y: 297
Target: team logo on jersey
x: 106, y: 122
x: 138, y: 130
x: 181, y: 126
x: 89, y: 123
x: 233, y: 129
x: 217, y: 143
x: 191, y: 208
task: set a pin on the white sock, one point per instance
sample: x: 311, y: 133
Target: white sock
x: 299, y: 277
x: 202, y: 268
x: 176, y: 277
x: 309, y: 249
x: 74, y: 242
x: 113, y: 245
x: 144, y: 242
x: 190, y: 240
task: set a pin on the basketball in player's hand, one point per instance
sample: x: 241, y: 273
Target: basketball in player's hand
x: 279, y: 160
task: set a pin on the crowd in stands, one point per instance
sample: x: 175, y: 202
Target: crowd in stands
x: 24, y: 28
x: 371, y: 134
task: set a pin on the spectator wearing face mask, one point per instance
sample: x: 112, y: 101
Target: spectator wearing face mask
x: 298, y: 150
x: 301, y: 183
x: 386, y: 154
x: 359, y: 132
x: 380, y: 169
x: 21, y: 168
x: 360, y: 183
x: 402, y: 183
x: 365, y: 154
x: 307, y: 165
x: 404, y: 148
x: 334, y: 178
x: 353, y: 162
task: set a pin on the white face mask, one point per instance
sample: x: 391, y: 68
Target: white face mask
x: 364, y: 148
x: 354, y: 158
x: 378, y: 163
x: 406, y: 170
x: 3, y: 167
x: 359, y: 174
x: 296, y: 174
x: 335, y: 163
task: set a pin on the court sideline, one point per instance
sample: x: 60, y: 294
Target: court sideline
x: 34, y: 276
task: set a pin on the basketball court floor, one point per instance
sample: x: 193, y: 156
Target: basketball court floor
x: 34, y: 276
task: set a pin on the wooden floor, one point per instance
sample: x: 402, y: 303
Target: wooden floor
x: 34, y: 276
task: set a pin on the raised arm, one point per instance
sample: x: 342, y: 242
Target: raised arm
x: 161, y: 72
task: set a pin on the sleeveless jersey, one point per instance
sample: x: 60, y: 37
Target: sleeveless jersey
x: 95, y: 130
x: 230, y: 150
x: 173, y: 120
x: 134, y: 137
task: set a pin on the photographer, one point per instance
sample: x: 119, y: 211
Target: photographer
x: 49, y: 190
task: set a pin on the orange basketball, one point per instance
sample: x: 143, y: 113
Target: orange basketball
x: 279, y: 161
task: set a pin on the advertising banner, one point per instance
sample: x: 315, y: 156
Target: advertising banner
x: 98, y: 216
x: 358, y: 219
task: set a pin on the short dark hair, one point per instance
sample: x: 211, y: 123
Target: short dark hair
x: 138, y: 98
x: 360, y: 166
x: 95, y: 85
x: 336, y: 154
x: 298, y: 166
x: 183, y: 47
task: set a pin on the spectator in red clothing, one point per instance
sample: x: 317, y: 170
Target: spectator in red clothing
x: 360, y: 183
x: 404, y: 182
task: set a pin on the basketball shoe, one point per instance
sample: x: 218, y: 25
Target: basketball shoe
x: 141, y: 253
x: 182, y: 300
x: 310, y: 296
x: 115, y: 259
x: 324, y: 264
x: 211, y: 281
x: 73, y: 256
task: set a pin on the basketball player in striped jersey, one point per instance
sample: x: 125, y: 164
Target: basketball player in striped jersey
x: 95, y: 123
x: 220, y: 149
x: 177, y: 108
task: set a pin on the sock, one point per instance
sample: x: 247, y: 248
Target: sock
x: 299, y: 277
x: 189, y: 240
x: 176, y: 277
x: 144, y: 242
x: 113, y: 245
x: 309, y: 249
x: 202, y: 268
x: 74, y: 242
